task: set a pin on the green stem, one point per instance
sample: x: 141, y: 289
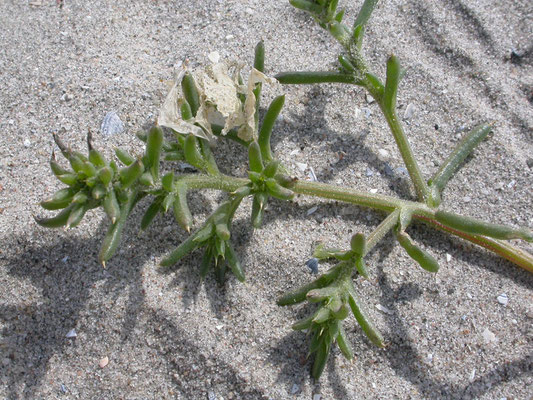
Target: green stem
x: 421, y: 187
x: 381, y: 230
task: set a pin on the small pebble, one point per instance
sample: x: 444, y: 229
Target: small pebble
x: 27, y: 143
x: 301, y: 166
x: 111, y: 124
x: 369, y: 172
x: 295, y: 389
x: 388, y: 170
x: 383, y: 309
x: 511, y: 184
x: 294, y: 152
x: 448, y: 257
x: 401, y: 171
x: 312, y: 175
x: 467, y: 199
x: 373, y: 191
x: 472, y: 375
x: 249, y: 11
x: 211, y: 395
x: 488, y: 336
x: 409, y: 111
x: 72, y: 334
x: 503, y: 299
x: 311, y: 210
x: 103, y: 362
x: 529, y: 162
x: 214, y: 57
x: 219, y: 327
x: 312, y: 264
x: 383, y: 154
x: 317, y: 397
x: 369, y: 99
x: 229, y: 37
x: 63, y: 388
x: 367, y: 112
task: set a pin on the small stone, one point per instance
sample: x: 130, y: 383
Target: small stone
x: 503, y: 299
x: 63, y: 388
x: 214, y: 57
x: 511, y: 184
x: 529, y: 162
x: 367, y: 112
x: 383, y: 154
x: 211, y: 395
x: 249, y: 11
x: 383, y: 309
x: 402, y: 171
x: 488, y: 336
x: 103, y: 362
x: 369, y: 99
x: 409, y: 111
x: 219, y: 327
x: 301, y: 166
x: 369, y: 172
x: 311, y: 210
x: 71, y: 334
x: 312, y: 175
x: 229, y: 37
x: 295, y: 389
x: 27, y: 143
x: 467, y: 199
x: 111, y: 124
x: 472, y: 375
x: 373, y: 191
x: 388, y: 170
x: 448, y: 257
x: 312, y: 264
x: 317, y: 397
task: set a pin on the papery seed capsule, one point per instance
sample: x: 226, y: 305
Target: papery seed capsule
x: 185, y: 109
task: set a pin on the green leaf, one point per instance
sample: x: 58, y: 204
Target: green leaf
x: 312, y: 77
x: 265, y: 132
x: 391, y: 85
x: 153, y: 150
x: 190, y: 92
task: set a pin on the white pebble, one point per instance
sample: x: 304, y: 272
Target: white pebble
x: 383, y: 154
x: 467, y: 199
x: 229, y: 37
x: 103, y: 362
x: 472, y: 375
x: 214, y: 57
x: 312, y: 175
x: 373, y: 191
x: 27, y: 143
x: 488, y: 336
x: 503, y: 299
x: 301, y: 166
x: 448, y: 257
x: 317, y: 397
x: 219, y: 327
x: 409, y: 111
x: 111, y: 124
x: 249, y: 11
x: 312, y: 210
x: 369, y: 99
x: 71, y: 334
x: 295, y: 388
x: 367, y: 112
x: 383, y: 309
x: 294, y: 152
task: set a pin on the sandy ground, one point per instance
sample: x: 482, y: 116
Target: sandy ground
x: 167, y: 335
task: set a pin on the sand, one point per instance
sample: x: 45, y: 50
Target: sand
x: 167, y: 334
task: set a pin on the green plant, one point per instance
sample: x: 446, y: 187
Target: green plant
x: 218, y: 103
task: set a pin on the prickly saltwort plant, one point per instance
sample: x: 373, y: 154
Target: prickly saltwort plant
x: 217, y: 104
